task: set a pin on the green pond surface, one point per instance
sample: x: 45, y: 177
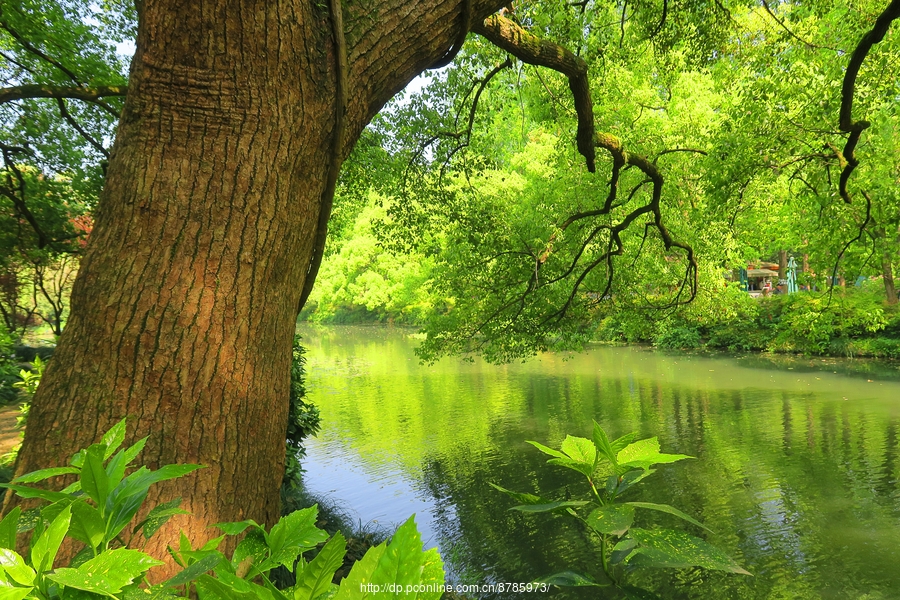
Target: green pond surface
x: 797, y: 466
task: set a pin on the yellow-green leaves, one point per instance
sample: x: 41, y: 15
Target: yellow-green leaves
x: 107, y: 573
x: 675, y: 549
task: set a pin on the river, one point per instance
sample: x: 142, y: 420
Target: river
x: 797, y: 467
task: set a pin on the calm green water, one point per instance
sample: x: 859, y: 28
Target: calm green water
x: 797, y: 470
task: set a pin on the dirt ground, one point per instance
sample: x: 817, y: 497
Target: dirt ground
x: 9, y: 435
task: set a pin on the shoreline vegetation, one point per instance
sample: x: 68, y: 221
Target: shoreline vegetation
x: 853, y: 322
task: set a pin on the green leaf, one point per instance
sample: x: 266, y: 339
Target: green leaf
x: 156, y: 592
x: 601, y: 443
x: 619, y: 443
x: 13, y: 593
x: 632, y: 477
x: 402, y: 561
x: 524, y: 498
x: 580, y: 449
x: 132, y: 451
x: 113, y: 438
x: 192, y: 572
x: 539, y: 508
x: 107, y: 573
x: 45, y: 548
x: 25, y: 491
x: 15, y: 567
x: 293, y: 534
x: 614, y: 519
x: 569, y: 579
x: 547, y: 450
x: 237, y: 527
x: 621, y: 550
x: 675, y: 549
x: 432, y: 573
x: 352, y: 585
x: 670, y: 510
x: 583, y: 468
x: 43, y: 474
x: 94, y: 480
x: 254, y: 544
x: 645, y: 453
x: 9, y: 528
x: 157, y: 517
x: 315, y: 579
x: 115, y: 469
x: 210, y: 587
x: 87, y: 525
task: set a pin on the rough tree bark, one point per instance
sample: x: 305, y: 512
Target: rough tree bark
x: 184, y: 309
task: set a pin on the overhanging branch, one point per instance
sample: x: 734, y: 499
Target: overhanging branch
x: 507, y: 35
x: 87, y: 94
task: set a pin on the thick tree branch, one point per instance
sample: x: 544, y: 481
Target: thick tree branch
x: 528, y: 48
x: 88, y: 94
x: 460, y: 37
x: 340, y: 107
x: 847, y: 124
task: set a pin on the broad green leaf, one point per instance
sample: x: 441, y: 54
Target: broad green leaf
x: 192, y: 572
x: 254, y: 544
x: 585, y: 469
x: 157, y: 517
x: 539, y: 508
x: 113, y: 438
x: 293, y: 534
x: 45, y: 548
x: 9, y: 528
x: 107, y: 573
x: 30, y: 519
x: 402, y: 561
x: 237, y: 527
x: 156, y: 592
x: 94, y: 480
x: 547, y: 450
x: 645, y: 453
x: 670, y: 510
x: 15, y: 567
x: 569, y: 579
x: 212, y: 588
x: 614, y: 519
x: 432, y: 573
x: 580, y: 449
x: 45, y: 474
x: 87, y: 525
x: 353, y: 585
x: 675, y: 549
x: 315, y: 579
x: 24, y: 491
x: 141, y: 480
x: 13, y: 593
x: 601, y: 443
x: 619, y: 443
x: 524, y: 498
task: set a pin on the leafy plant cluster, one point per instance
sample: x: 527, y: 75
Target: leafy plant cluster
x: 611, y: 468
x: 98, y: 510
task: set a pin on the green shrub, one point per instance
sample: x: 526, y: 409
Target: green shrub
x: 303, y: 417
x: 611, y: 469
x: 102, y: 503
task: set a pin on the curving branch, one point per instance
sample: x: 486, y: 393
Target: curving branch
x: 460, y: 37
x: 64, y: 112
x: 530, y: 49
x: 340, y: 105
x: 846, y: 122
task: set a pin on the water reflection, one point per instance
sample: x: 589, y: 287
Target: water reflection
x: 796, y: 468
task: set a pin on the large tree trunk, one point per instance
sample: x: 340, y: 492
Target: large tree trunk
x: 184, y: 309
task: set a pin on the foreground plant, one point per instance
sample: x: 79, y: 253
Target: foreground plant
x: 98, y: 510
x: 611, y: 469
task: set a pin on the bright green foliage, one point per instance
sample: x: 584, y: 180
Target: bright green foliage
x: 611, y: 468
x: 97, y: 507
